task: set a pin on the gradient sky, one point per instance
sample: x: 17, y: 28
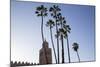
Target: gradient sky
x: 26, y: 36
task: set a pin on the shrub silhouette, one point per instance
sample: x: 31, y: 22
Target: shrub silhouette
x: 14, y: 64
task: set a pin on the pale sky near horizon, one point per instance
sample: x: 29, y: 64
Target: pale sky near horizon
x: 26, y: 36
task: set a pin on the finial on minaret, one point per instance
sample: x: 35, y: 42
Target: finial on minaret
x: 45, y: 43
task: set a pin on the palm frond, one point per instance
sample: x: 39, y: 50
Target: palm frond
x: 64, y: 22
x: 51, y: 9
x: 39, y: 15
x: 52, y: 14
x: 38, y: 8
x: 36, y: 12
x: 45, y: 14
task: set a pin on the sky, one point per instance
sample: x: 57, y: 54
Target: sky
x: 26, y: 40
x: 89, y: 2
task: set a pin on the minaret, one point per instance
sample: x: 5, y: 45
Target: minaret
x: 45, y: 54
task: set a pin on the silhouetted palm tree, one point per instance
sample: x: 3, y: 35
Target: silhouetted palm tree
x: 68, y: 29
x: 76, y: 47
x: 42, y: 12
x: 62, y: 33
x: 51, y: 24
x: 54, y: 11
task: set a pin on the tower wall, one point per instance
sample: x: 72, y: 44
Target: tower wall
x: 45, y: 54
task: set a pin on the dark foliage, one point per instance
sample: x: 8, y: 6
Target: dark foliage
x: 18, y: 63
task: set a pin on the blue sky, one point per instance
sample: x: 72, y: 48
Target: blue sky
x: 26, y: 36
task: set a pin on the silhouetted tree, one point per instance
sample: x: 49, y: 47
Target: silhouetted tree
x: 54, y: 11
x: 22, y: 63
x: 68, y: 29
x: 19, y: 63
x: 26, y: 63
x: 31, y: 63
x: 15, y: 63
x: 42, y: 12
x: 76, y: 47
x: 51, y: 24
x: 34, y: 63
x: 62, y: 33
x: 37, y: 63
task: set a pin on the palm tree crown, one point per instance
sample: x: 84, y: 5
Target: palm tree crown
x: 54, y: 11
x: 50, y: 23
x: 61, y: 21
x: 67, y: 30
x: 75, y: 46
x: 41, y: 11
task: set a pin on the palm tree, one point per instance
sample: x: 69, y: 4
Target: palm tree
x: 76, y: 47
x: 42, y: 12
x: 67, y: 28
x: 51, y: 24
x: 54, y: 11
x: 62, y: 32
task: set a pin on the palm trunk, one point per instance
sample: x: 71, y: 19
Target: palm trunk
x: 78, y: 56
x: 57, y: 38
x: 62, y: 48
x: 62, y: 43
x: 57, y: 41
x: 43, y: 40
x: 53, y: 45
x: 42, y: 29
x: 68, y: 49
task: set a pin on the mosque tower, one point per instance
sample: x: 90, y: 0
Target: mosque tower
x: 45, y: 54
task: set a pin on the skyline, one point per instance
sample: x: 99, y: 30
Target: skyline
x: 23, y: 27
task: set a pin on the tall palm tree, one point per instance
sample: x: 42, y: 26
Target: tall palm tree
x: 54, y: 11
x: 68, y: 29
x: 42, y: 12
x: 51, y: 24
x: 62, y: 33
x: 76, y: 47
